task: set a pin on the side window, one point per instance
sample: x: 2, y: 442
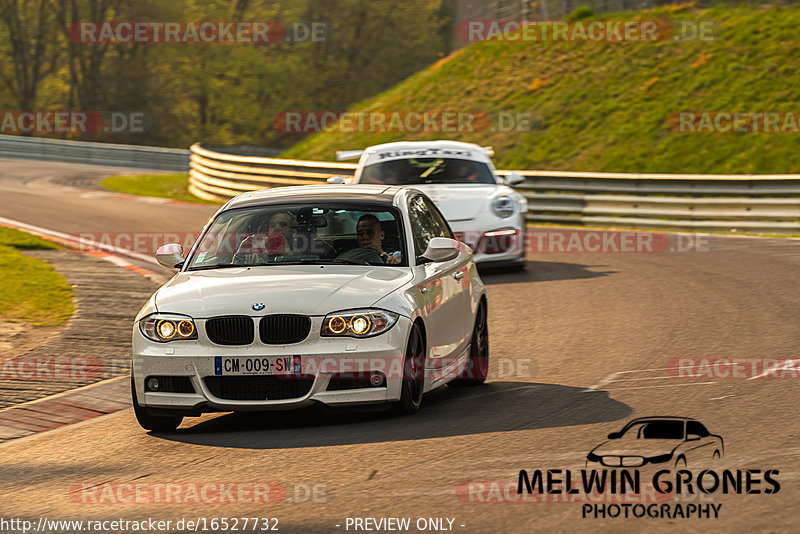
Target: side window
x: 426, y: 223
x: 443, y: 229
x: 421, y: 224
x: 693, y: 427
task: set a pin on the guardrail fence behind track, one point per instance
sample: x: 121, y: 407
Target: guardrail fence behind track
x: 140, y: 157
x: 766, y: 204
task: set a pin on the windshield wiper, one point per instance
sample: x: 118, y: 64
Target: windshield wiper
x: 320, y: 261
x: 224, y: 266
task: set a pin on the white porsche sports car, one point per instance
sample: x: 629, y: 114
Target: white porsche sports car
x: 293, y: 296
x: 481, y: 207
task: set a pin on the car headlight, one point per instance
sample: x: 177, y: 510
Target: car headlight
x: 167, y: 327
x: 504, y: 206
x: 360, y: 323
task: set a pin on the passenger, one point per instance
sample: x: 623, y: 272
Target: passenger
x: 271, y: 240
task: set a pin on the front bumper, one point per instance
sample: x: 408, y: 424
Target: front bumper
x: 500, y: 243
x: 323, y: 357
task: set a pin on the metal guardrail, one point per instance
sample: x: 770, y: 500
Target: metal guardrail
x: 219, y: 176
x: 140, y: 157
x: 745, y: 203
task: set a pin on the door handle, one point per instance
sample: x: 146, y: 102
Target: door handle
x: 458, y: 275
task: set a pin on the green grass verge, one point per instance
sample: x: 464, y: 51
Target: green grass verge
x: 605, y: 106
x: 174, y: 186
x: 31, y: 291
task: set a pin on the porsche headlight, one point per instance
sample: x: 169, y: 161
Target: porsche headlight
x: 361, y: 323
x: 167, y: 327
x: 504, y: 206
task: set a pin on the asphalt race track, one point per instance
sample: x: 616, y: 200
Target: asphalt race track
x: 581, y: 343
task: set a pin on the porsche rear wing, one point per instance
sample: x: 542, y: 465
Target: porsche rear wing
x: 344, y: 155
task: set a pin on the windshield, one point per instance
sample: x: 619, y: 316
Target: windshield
x: 656, y: 430
x: 302, y: 233
x: 427, y: 171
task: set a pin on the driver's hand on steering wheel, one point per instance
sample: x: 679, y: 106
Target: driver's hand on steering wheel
x: 390, y: 258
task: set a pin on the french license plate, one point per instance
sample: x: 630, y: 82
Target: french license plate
x: 257, y: 365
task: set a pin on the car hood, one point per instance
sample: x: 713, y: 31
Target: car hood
x: 301, y: 289
x: 637, y: 447
x: 460, y: 202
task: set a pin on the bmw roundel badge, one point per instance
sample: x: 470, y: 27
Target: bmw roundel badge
x: 258, y: 306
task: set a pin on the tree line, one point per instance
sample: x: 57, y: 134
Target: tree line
x: 333, y: 53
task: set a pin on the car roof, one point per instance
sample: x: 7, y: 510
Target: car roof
x: 667, y: 418
x: 373, y: 194
x: 476, y: 152
x: 444, y: 143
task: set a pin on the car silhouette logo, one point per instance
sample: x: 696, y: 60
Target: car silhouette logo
x: 677, y: 441
x: 258, y: 306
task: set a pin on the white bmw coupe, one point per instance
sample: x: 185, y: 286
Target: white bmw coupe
x: 343, y: 295
x: 484, y: 211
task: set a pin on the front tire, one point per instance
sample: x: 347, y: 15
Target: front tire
x: 413, y: 374
x: 156, y: 423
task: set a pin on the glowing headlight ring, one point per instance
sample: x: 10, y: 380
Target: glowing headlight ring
x: 360, y: 320
x: 171, y: 330
x: 337, y: 324
x: 185, y: 328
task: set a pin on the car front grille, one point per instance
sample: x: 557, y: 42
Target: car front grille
x: 230, y: 330
x: 283, y: 329
x: 267, y: 387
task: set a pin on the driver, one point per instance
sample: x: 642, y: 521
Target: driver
x: 370, y: 235
x: 462, y: 171
x: 392, y: 173
x: 370, y: 241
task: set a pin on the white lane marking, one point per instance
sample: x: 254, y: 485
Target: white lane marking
x: 603, y: 382
x: 665, y: 386
x: 613, y: 378
x: 78, y: 241
x: 636, y: 379
x: 776, y: 369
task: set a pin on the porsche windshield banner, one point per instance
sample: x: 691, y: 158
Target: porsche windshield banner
x: 387, y: 155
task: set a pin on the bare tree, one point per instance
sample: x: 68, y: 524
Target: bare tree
x: 84, y: 59
x: 32, y: 39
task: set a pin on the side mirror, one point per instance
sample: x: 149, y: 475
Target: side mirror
x: 514, y: 178
x: 614, y: 435
x: 170, y: 255
x: 692, y: 437
x: 441, y: 249
x: 338, y: 179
